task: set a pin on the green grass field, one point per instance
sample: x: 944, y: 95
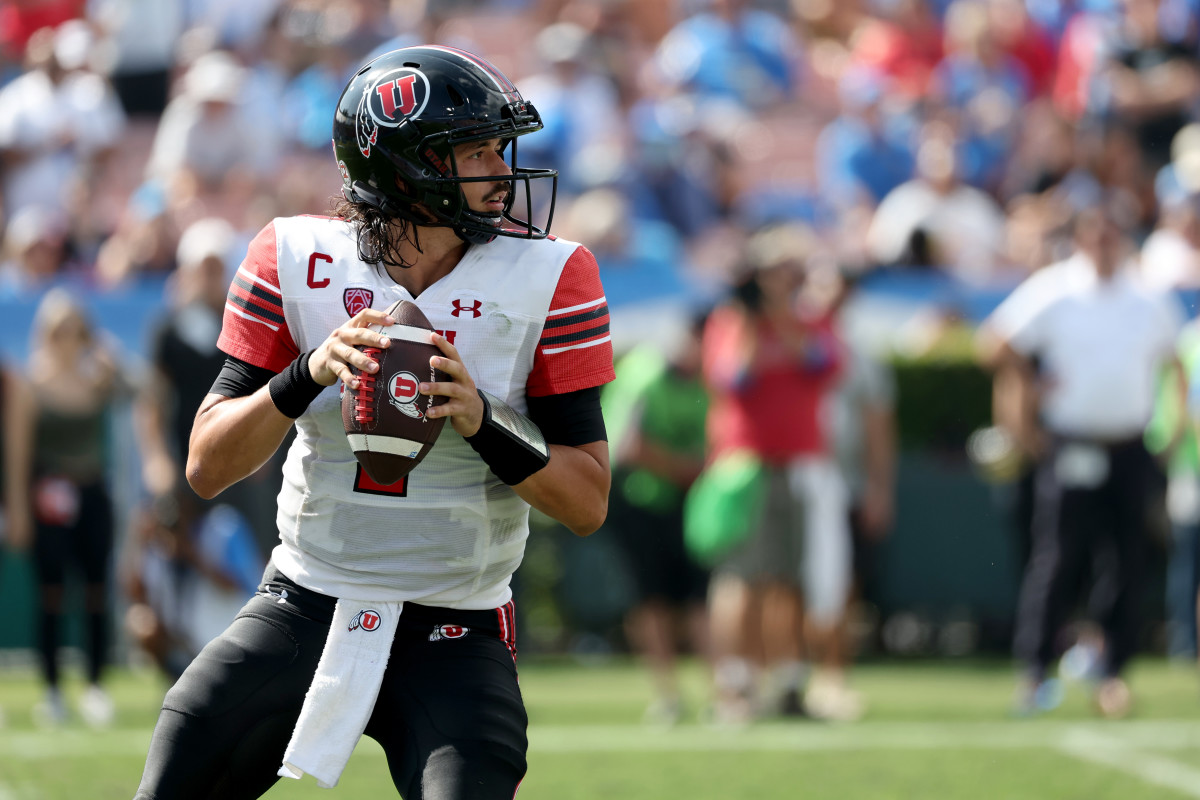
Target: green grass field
x: 933, y: 731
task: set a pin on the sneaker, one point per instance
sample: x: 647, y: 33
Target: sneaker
x: 663, y: 713
x: 732, y: 712
x: 1037, y: 697
x: 1082, y: 662
x: 1113, y: 698
x: 834, y: 702
x: 96, y: 707
x: 791, y: 704
x: 50, y: 712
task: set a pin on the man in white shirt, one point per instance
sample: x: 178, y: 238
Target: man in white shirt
x: 1098, y: 338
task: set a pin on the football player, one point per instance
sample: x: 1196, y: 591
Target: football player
x: 426, y: 142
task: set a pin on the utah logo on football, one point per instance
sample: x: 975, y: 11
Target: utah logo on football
x: 403, y: 391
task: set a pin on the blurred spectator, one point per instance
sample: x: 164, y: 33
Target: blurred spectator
x: 1172, y: 435
x: 143, y: 243
x: 584, y: 130
x: 655, y: 412
x: 58, y: 122
x: 187, y: 573
x: 862, y: 155
x: 1099, y: 338
x: 731, y: 50
x: 184, y: 362
x: 203, y: 154
x: 1148, y: 77
x: 1170, y: 257
x: 310, y: 94
x: 236, y: 23
x: 681, y: 164
x: 142, y: 36
x: 1015, y: 32
x: 902, y: 40
x: 862, y: 432
x: 35, y: 250
x: 936, y: 220
x: 21, y: 19
x: 57, y: 493
x: 184, y: 356
x: 768, y: 369
x: 983, y: 87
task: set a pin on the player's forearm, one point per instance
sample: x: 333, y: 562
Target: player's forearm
x: 232, y: 438
x: 572, y: 488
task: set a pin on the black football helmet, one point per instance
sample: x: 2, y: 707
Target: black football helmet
x: 398, y: 121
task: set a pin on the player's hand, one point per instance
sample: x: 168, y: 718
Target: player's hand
x: 332, y: 361
x: 463, y: 404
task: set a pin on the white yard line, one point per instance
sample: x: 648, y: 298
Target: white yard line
x: 1073, y: 737
x: 1116, y: 753
x: 1134, y: 748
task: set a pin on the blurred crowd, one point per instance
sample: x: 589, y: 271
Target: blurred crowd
x: 761, y: 157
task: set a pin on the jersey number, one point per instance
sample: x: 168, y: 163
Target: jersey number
x: 364, y: 485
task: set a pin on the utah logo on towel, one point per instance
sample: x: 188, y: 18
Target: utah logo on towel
x: 367, y: 619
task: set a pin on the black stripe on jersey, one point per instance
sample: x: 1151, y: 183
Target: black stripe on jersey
x: 583, y: 316
x: 577, y: 336
x: 258, y: 291
x: 254, y: 308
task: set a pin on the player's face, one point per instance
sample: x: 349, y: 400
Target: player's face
x: 477, y: 159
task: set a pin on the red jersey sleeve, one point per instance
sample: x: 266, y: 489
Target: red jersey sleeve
x: 575, y: 351
x: 254, y: 329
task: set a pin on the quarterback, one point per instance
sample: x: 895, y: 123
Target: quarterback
x: 386, y: 610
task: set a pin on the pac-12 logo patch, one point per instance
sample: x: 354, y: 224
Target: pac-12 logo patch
x: 356, y: 299
x: 447, y: 632
x: 368, y: 620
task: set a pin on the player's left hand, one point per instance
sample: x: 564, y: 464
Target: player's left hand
x: 463, y: 405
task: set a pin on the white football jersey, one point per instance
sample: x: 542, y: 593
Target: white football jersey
x: 529, y: 319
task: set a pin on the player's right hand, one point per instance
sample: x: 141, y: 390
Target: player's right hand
x: 332, y: 361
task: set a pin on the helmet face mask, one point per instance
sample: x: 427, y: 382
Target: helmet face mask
x: 396, y: 128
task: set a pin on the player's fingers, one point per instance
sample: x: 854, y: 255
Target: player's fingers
x: 454, y: 369
x: 344, y: 374
x: 446, y: 347
x: 357, y: 358
x: 449, y: 408
x: 363, y: 336
x: 448, y: 389
x: 370, y: 316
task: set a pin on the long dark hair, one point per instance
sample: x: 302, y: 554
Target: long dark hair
x: 378, y: 242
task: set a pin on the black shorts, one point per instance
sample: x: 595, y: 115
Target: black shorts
x: 83, y: 544
x: 449, y: 715
x: 654, y: 551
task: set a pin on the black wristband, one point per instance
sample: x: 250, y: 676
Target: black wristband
x: 294, y: 389
x: 508, y: 441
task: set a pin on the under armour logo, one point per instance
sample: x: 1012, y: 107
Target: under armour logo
x: 459, y: 308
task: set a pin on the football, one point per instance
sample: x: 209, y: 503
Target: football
x: 385, y: 418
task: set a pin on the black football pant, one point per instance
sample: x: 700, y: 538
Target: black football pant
x: 449, y: 715
x: 1103, y: 527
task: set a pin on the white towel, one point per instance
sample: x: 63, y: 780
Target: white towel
x: 343, y: 692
